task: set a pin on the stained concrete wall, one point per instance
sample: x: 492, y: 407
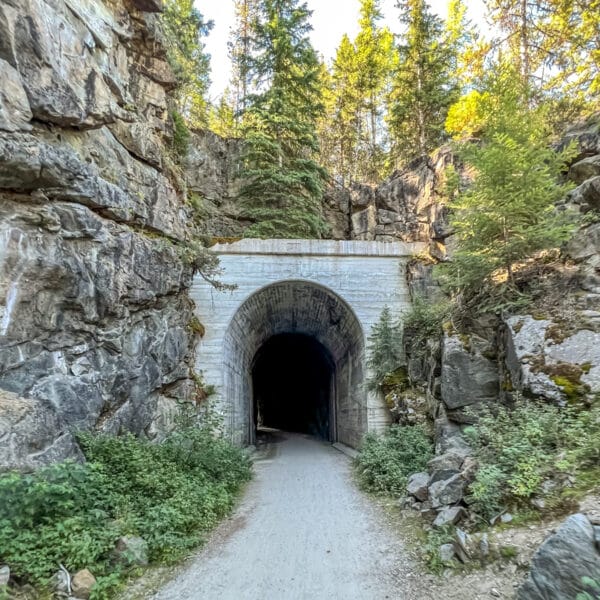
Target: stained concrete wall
x: 332, y: 290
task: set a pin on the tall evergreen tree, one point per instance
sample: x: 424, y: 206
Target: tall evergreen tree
x: 185, y: 27
x: 555, y: 43
x: 282, y: 182
x: 423, y: 86
x: 246, y: 12
x: 508, y: 213
x: 339, y: 129
x: 374, y: 62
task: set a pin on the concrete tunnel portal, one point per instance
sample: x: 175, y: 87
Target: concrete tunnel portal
x: 294, y: 357
x: 287, y: 347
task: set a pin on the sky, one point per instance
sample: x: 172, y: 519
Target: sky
x: 330, y: 20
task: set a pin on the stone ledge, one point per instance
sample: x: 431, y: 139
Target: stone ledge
x: 321, y: 248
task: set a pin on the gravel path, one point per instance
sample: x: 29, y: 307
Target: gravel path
x: 303, y: 531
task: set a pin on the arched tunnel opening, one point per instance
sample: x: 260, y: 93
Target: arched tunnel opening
x: 297, y: 341
x: 293, y: 380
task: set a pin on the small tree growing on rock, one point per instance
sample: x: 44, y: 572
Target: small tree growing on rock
x: 509, y: 213
x: 385, y: 350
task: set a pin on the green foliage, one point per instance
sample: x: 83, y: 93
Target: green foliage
x: 181, y: 135
x: 508, y: 214
x: 386, y: 461
x: 424, y: 86
x: 519, y: 449
x: 184, y: 28
x: 422, y: 321
x: 384, y: 349
x: 431, y: 548
x: 592, y: 589
x: 282, y: 182
x: 170, y: 494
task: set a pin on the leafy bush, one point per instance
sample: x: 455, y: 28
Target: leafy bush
x: 170, y: 494
x: 519, y: 449
x: 386, y: 461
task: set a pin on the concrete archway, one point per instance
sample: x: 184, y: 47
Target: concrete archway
x: 331, y: 291
x: 298, y: 307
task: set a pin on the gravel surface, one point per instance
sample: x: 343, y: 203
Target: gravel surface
x: 302, y: 531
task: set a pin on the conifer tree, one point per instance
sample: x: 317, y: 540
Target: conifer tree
x: 556, y: 45
x: 384, y: 349
x: 423, y: 86
x: 339, y: 129
x: 222, y: 118
x: 374, y: 61
x: 184, y: 27
x: 282, y: 182
x: 508, y: 213
x: 246, y: 12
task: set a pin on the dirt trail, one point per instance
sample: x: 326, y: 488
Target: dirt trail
x: 303, y: 531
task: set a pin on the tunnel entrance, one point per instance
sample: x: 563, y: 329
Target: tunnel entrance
x: 319, y: 331
x: 293, y: 377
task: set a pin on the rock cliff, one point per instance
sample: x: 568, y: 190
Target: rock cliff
x: 94, y: 310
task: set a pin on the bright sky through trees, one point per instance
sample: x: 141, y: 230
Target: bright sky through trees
x: 331, y: 19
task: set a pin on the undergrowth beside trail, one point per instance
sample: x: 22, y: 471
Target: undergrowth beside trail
x: 170, y: 494
x: 386, y: 461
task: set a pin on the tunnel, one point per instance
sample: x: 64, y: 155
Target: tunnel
x: 292, y: 378
x: 293, y: 359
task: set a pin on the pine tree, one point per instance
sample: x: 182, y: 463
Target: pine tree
x: 423, y: 86
x: 184, y: 27
x: 222, y: 118
x: 384, y: 349
x: 508, y: 213
x: 239, y: 53
x: 339, y: 129
x: 282, y: 182
x: 556, y: 45
x: 374, y: 60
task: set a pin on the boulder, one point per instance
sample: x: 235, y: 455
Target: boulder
x: 4, y: 576
x: 562, y: 561
x: 447, y: 491
x: 585, y: 169
x: 446, y: 553
x: 587, y: 195
x: 82, y: 583
x: 417, y: 486
x: 468, y: 377
x: 449, y: 515
x: 585, y: 243
x: 446, y: 461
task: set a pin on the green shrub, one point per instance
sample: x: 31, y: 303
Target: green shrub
x: 170, y: 494
x: 424, y: 320
x: 386, y: 461
x: 519, y: 449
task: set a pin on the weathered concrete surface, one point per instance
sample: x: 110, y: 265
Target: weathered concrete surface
x: 303, y: 531
x: 332, y: 291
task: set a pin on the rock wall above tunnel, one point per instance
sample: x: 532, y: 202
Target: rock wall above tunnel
x: 94, y: 309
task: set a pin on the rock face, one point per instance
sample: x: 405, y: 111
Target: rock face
x: 94, y: 309
x: 468, y: 377
x: 562, y: 562
x: 406, y: 207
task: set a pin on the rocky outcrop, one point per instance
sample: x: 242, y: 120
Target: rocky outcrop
x: 94, y: 310
x: 408, y: 206
x: 563, y: 561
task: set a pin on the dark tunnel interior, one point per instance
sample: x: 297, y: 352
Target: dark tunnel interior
x: 292, y: 378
